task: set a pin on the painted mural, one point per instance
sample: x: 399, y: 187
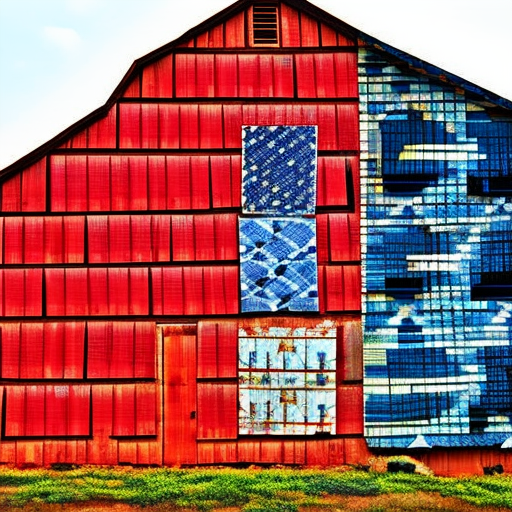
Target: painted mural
x: 278, y: 261
x: 437, y: 265
x: 287, y: 381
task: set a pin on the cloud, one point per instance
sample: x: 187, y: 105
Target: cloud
x: 65, y: 38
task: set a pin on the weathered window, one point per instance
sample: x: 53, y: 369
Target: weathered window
x: 287, y: 380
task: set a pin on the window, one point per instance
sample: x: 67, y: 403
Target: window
x: 287, y: 380
x: 264, y: 24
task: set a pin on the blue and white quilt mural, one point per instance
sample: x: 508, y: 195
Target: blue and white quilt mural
x: 437, y: 267
x: 278, y: 260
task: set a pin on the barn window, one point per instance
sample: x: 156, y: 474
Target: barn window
x: 287, y: 381
x: 264, y: 24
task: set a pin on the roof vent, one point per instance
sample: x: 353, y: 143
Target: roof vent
x: 264, y: 24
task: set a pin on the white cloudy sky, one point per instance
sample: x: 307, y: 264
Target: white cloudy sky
x: 61, y: 59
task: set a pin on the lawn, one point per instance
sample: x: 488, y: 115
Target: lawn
x: 248, y: 490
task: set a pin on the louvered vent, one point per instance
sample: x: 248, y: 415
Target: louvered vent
x: 264, y: 23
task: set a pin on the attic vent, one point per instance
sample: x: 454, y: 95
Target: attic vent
x: 264, y: 23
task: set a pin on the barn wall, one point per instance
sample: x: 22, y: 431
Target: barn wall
x: 120, y: 298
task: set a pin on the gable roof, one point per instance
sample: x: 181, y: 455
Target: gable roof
x: 393, y: 55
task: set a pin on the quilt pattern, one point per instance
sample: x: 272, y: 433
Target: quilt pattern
x: 436, y: 209
x: 279, y: 168
x: 287, y: 381
x: 278, y: 264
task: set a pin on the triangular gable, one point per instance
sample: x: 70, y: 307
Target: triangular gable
x: 302, y: 25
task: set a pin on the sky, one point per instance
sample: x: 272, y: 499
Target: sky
x: 62, y: 59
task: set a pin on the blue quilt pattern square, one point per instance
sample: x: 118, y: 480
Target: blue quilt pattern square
x: 278, y: 264
x: 279, y: 169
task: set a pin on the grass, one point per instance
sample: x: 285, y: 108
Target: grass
x: 252, y: 490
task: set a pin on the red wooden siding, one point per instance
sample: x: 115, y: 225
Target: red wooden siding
x: 143, y: 228
x: 350, y: 351
x: 157, y: 79
x: 133, y: 88
x: 134, y: 410
x: 42, y: 350
x: 100, y: 134
x: 129, y: 238
x: 33, y: 240
x: 217, y: 413
x: 181, y: 126
x: 338, y: 238
x: 36, y: 411
x: 195, y: 290
x: 217, y: 349
x: 25, y: 192
x: 204, y: 237
x: 97, y: 291
x: 297, y: 30
x: 349, y: 410
x: 339, y: 288
x: 327, y: 75
x: 121, y: 350
x: 173, y: 183
x: 179, y: 400
x: 21, y: 292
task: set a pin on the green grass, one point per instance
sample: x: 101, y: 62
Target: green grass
x: 253, y: 490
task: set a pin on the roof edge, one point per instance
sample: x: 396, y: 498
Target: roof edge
x: 414, y: 63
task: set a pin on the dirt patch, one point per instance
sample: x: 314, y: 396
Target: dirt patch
x: 418, y: 502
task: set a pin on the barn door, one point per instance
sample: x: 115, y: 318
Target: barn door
x: 179, y: 394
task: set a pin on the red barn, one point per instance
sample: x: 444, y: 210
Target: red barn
x: 128, y: 334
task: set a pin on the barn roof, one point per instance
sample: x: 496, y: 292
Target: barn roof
x: 395, y: 56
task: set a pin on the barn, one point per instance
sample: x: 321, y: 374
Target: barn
x: 280, y: 241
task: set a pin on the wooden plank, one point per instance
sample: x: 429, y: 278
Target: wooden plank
x: 350, y: 343
x: 336, y: 452
x: 225, y: 452
x: 356, y: 451
x: 317, y: 452
x: 145, y: 350
x: 290, y: 26
x: 226, y: 76
x: 10, y: 350
x: 200, y: 190
x: 21, y: 292
x: 272, y: 452
x: 226, y: 236
x: 11, y: 194
x: 33, y: 249
x: 179, y: 397
x: 33, y: 187
x: 132, y: 90
x: 101, y: 449
x: 168, y: 118
x: 227, y: 349
x: 205, y: 453
x: 31, y: 351
x: 123, y: 420
x: 157, y: 78
x: 308, y: 31
x: 7, y: 448
x: 217, y: 415
x: 235, y: 31
x: 102, y: 133
x: 127, y: 452
x: 207, y: 350
x: 349, y: 410
x: 249, y: 450
x: 29, y: 454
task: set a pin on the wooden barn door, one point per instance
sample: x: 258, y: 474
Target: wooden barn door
x: 179, y: 394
